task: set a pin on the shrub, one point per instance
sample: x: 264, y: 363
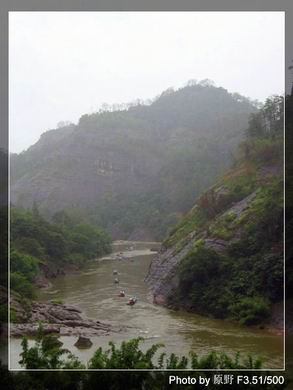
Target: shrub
x: 47, y: 353
x: 24, y: 264
x: 202, y: 276
x: 21, y: 285
x: 56, y: 301
x: 250, y: 310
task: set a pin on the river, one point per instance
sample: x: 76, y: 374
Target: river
x: 92, y: 290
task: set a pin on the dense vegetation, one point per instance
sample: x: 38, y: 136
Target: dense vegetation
x: 48, y: 354
x: 37, y: 243
x: 142, y: 165
x: 246, y: 277
x: 132, y: 380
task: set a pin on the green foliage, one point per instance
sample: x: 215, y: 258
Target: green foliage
x: 47, y: 354
x: 268, y: 122
x: 57, y: 301
x: 24, y: 264
x: 35, y: 241
x: 240, y: 184
x: 251, y: 268
x: 235, y: 186
x: 243, y: 280
x: 193, y: 221
x: 264, y: 143
x: 250, y: 310
x: 22, y: 285
x: 201, y: 275
x: 127, y: 356
x: 223, y: 361
x: 148, y: 210
x: 261, y: 151
x: 30, y: 245
x: 56, y: 242
x: 222, y: 228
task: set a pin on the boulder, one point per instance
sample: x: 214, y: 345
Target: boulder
x: 83, y: 342
x: 159, y: 299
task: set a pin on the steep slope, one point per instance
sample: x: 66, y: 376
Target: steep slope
x: 124, y: 168
x: 225, y: 258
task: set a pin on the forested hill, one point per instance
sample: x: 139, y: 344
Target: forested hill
x: 136, y: 169
x: 225, y: 258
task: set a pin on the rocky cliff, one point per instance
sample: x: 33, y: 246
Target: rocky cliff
x: 228, y: 250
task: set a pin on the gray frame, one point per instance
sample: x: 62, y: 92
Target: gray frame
x: 128, y: 5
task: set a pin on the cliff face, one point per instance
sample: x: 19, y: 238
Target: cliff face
x: 127, y: 167
x: 228, y: 250
x: 163, y: 274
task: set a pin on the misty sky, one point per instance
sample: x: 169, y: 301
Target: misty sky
x: 65, y: 64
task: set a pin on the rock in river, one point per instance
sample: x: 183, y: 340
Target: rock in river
x: 83, y: 342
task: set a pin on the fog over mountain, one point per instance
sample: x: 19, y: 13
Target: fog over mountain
x: 65, y: 64
x: 132, y: 168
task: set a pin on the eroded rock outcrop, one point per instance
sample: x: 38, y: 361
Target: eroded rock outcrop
x: 162, y: 277
x: 220, y: 223
x: 55, y: 318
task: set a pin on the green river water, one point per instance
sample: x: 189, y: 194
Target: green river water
x: 92, y: 290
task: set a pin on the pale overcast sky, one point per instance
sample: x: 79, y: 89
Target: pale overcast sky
x: 65, y: 64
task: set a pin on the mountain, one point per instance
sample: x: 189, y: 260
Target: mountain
x: 134, y: 171
x: 225, y: 258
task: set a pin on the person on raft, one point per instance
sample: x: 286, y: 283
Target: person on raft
x: 116, y: 280
x: 122, y: 293
x: 132, y: 301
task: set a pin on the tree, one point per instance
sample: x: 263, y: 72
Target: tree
x: 191, y: 83
x: 24, y: 264
x: 207, y: 83
x: 21, y: 285
x: 268, y: 122
x: 63, y: 124
x: 47, y: 354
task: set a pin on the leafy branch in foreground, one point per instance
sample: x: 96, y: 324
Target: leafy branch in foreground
x: 47, y: 353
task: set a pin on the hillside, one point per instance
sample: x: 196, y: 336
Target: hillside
x: 225, y: 257
x: 40, y: 249
x: 136, y: 170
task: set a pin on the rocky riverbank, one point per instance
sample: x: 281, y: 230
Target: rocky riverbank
x: 227, y: 228
x: 62, y: 319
